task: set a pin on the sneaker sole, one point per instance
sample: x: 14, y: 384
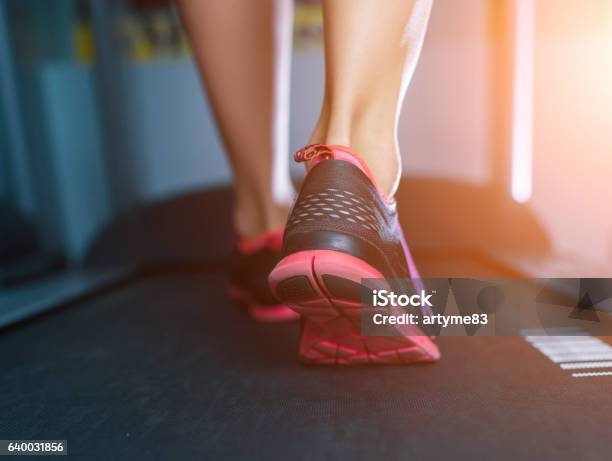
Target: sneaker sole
x: 324, y: 286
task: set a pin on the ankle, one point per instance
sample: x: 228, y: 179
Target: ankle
x: 377, y: 148
x: 383, y: 160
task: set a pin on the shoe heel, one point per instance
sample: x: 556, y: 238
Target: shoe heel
x: 320, y: 283
x: 324, y: 286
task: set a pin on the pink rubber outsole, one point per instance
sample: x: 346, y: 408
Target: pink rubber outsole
x: 331, y: 333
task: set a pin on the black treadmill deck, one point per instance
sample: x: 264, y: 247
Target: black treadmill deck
x: 168, y: 368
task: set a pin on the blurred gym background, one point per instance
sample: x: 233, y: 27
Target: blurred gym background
x: 109, y: 154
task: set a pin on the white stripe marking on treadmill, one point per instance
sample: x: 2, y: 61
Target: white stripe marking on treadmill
x: 577, y: 352
x: 559, y: 340
x: 554, y: 333
x: 569, y: 345
x: 581, y: 357
x: 579, y: 365
x: 594, y: 346
x: 592, y: 374
x: 567, y: 349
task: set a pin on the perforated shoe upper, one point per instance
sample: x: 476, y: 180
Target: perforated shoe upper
x: 340, y: 208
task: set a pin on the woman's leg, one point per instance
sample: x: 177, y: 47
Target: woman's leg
x: 343, y: 229
x: 242, y: 48
x: 371, y: 51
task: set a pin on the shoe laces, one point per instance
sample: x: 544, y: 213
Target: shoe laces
x: 313, y: 151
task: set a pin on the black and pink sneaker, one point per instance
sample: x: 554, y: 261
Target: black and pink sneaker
x: 343, y: 229
x: 252, y: 262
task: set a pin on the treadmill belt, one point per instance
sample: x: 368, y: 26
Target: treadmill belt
x: 167, y: 368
